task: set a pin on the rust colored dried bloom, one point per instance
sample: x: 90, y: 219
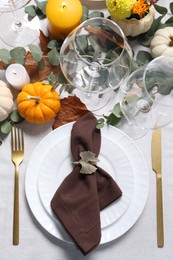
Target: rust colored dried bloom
x: 140, y: 7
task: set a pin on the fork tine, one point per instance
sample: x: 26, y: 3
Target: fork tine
x: 17, y: 139
x: 12, y: 142
x: 22, y: 140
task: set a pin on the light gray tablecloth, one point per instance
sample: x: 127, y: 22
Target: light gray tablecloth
x: 139, y: 243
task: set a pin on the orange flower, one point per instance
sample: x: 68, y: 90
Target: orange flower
x: 140, y: 8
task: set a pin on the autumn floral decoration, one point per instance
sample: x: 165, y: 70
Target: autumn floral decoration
x: 127, y: 9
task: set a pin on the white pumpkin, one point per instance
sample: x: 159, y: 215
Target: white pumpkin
x: 133, y: 27
x: 6, y: 101
x: 162, y: 42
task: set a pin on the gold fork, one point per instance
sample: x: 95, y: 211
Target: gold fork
x: 17, y: 152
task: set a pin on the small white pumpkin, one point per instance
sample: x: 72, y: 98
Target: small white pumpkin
x: 6, y: 101
x: 162, y: 42
x: 133, y: 27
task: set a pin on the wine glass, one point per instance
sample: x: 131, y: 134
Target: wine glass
x: 146, y: 97
x: 16, y: 30
x: 95, y: 58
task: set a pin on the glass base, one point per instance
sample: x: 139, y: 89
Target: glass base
x: 94, y: 102
x: 133, y: 131
x: 16, y: 36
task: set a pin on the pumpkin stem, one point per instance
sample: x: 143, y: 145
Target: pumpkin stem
x: 35, y: 98
x: 171, y: 41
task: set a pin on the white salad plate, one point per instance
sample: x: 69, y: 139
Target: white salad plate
x: 51, y: 162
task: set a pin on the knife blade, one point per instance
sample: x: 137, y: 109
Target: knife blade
x: 157, y: 168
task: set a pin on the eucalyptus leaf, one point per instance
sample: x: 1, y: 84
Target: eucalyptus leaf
x: 61, y: 78
x: 117, y: 110
x: 165, y: 89
x: 96, y: 14
x: 36, y: 52
x: 154, y: 26
x: 16, y: 117
x: 111, y: 55
x: 143, y: 57
x: 170, y: 20
x: 40, y: 14
x: 67, y: 87
x: 100, y: 123
x: 165, y: 85
x: 52, y: 79
x: 166, y: 24
x: 112, y: 119
x: 82, y: 44
x: 53, y: 57
x: 161, y: 9
x: 53, y: 44
x: 171, y: 7
x: 5, y: 56
x: 134, y: 65
x: 96, y: 47
x: 145, y: 40
x: 31, y: 11
x: 85, y: 13
x: 6, y: 127
x: 71, y: 61
x: 41, y: 5
x: 41, y: 64
x: 18, y: 54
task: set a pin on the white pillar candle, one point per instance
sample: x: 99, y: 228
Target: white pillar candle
x: 17, y: 76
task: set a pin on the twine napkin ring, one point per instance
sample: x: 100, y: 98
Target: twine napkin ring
x: 88, y: 162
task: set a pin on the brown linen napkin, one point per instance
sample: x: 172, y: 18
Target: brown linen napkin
x: 80, y: 197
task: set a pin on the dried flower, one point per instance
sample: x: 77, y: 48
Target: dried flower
x: 140, y: 8
x: 120, y: 8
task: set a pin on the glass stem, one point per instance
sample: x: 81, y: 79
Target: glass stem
x: 17, y: 22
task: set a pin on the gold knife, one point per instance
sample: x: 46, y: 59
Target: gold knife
x: 157, y: 167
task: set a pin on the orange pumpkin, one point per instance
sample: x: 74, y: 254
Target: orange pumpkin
x: 38, y: 103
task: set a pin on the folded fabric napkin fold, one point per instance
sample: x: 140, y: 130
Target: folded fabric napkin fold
x: 80, y: 197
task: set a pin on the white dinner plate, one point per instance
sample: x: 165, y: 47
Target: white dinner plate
x: 130, y: 163
x: 57, y: 164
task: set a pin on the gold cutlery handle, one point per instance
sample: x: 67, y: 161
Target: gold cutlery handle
x: 16, y: 208
x: 160, y: 232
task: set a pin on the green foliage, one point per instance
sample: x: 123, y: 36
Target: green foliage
x: 52, y: 79
x: 36, y: 52
x: 96, y: 14
x: 15, y: 117
x: 53, y: 57
x: 100, y: 123
x: 85, y: 13
x: 112, y: 119
x: 31, y: 11
x: 145, y: 38
x: 18, y: 54
x: 6, y: 125
x: 38, y: 10
x: 5, y: 56
x: 143, y: 57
